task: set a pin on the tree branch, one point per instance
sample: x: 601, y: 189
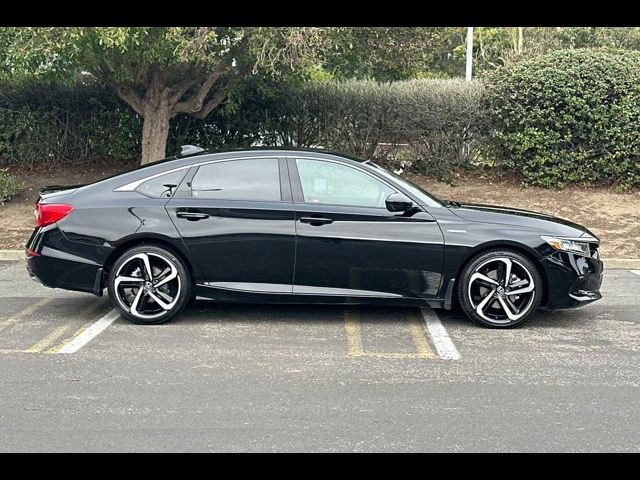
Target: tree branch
x: 131, y: 98
x: 211, y: 105
x: 126, y: 93
x: 196, y: 103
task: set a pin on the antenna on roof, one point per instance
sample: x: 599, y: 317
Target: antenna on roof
x: 190, y: 150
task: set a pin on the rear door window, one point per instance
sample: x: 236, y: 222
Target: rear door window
x: 252, y: 179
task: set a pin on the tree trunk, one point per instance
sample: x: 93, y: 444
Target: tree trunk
x: 520, y: 40
x: 155, y: 127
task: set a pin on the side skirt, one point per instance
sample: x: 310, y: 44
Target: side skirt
x: 220, y: 294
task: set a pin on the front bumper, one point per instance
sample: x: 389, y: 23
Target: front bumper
x: 572, y: 280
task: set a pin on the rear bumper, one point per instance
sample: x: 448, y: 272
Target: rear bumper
x: 50, y: 263
x: 573, y: 280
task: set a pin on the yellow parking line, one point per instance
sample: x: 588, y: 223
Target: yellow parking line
x: 355, y: 347
x: 20, y: 315
x: 395, y: 355
x: 49, y: 339
x: 420, y: 340
x: 354, y: 336
x: 90, y: 310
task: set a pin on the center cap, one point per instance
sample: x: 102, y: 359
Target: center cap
x: 148, y: 285
x: 500, y: 291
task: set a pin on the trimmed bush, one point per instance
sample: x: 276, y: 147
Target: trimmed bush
x: 435, y: 125
x: 567, y: 117
x: 44, y: 124
x: 9, y: 186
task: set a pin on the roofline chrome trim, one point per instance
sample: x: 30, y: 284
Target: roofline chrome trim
x: 131, y: 186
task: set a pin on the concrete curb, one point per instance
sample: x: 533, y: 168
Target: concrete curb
x: 621, y: 263
x: 609, y: 263
x: 11, y: 254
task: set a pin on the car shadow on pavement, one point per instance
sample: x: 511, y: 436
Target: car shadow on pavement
x: 210, y: 311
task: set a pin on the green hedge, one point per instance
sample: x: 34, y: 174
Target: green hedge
x: 565, y: 117
x: 568, y: 116
x: 435, y: 125
x: 45, y: 124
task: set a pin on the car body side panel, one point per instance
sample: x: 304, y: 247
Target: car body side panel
x: 239, y: 241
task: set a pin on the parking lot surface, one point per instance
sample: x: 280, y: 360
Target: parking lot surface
x: 76, y: 376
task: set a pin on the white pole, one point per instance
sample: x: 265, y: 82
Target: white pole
x: 469, y: 53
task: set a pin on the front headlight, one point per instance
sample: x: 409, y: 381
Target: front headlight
x: 568, y: 245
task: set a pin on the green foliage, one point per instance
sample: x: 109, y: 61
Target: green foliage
x: 568, y: 117
x: 42, y: 123
x: 9, y: 186
x: 434, y: 125
x: 391, y: 53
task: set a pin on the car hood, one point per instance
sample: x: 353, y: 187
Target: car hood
x: 475, y: 212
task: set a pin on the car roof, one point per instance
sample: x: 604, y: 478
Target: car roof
x: 268, y: 149
x: 180, y: 161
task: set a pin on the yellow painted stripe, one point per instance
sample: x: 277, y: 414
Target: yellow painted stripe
x: 49, y: 339
x: 354, y: 336
x: 20, y: 315
x: 395, y: 355
x: 420, y: 340
x: 90, y: 310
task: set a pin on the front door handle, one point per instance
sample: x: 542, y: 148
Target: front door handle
x: 316, y: 221
x: 192, y: 216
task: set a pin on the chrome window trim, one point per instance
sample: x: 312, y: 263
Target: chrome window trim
x: 131, y: 186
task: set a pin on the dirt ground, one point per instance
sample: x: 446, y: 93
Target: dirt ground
x: 614, y: 217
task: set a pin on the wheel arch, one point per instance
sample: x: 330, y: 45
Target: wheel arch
x: 521, y: 248
x: 147, y: 239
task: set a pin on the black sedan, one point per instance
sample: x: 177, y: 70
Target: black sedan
x: 291, y: 226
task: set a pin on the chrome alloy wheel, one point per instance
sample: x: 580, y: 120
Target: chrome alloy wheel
x: 501, y: 290
x: 147, y: 285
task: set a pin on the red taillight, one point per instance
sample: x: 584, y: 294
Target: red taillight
x: 47, y: 213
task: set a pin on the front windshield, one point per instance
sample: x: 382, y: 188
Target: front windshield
x: 424, y: 198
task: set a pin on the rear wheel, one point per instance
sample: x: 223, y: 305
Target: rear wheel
x: 500, y: 289
x: 149, y: 285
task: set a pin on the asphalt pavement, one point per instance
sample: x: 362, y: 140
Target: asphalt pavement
x: 74, y: 376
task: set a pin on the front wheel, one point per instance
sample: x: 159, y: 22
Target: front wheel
x: 149, y: 285
x: 500, y: 289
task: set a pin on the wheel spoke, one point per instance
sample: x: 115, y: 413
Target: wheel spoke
x: 164, y: 295
x: 134, y: 305
x: 159, y: 301
x: 477, y: 276
x: 145, y: 261
x: 519, y: 283
x: 520, y: 291
x: 168, y: 278
x: 123, y: 278
x: 483, y: 303
x: 507, y: 310
x: 507, y: 270
x: 162, y: 274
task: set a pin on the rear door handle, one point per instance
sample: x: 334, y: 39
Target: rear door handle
x: 316, y: 221
x: 193, y: 216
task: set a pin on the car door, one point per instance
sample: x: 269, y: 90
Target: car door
x: 236, y: 218
x: 349, y: 244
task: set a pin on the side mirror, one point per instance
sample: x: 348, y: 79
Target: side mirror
x: 397, y: 202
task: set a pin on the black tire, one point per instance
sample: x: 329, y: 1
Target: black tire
x: 485, y: 298
x: 163, y: 296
